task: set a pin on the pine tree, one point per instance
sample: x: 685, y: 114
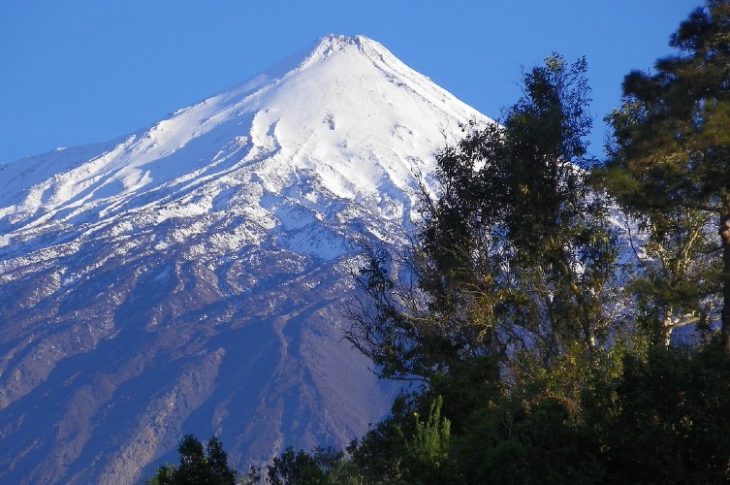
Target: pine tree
x: 219, y: 472
x: 193, y: 468
x: 196, y: 466
x: 670, y: 161
x: 430, y: 444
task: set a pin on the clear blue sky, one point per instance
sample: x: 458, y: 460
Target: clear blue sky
x: 74, y: 72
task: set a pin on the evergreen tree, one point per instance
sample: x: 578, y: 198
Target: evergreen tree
x: 219, y: 472
x: 430, y: 446
x: 193, y: 468
x: 197, y: 467
x: 670, y: 163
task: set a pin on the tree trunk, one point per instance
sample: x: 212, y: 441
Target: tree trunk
x: 667, y: 327
x: 725, y: 237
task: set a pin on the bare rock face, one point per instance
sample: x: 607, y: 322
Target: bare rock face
x: 191, y: 277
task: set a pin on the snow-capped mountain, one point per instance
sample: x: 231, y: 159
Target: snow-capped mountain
x: 190, y: 277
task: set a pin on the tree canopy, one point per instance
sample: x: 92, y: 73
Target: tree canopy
x: 197, y: 467
x: 669, y: 163
x: 514, y: 254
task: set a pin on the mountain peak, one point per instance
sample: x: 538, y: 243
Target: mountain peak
x: 339, y: 41
x: 331, y: 43
x: 333, y: 46
x: 349, y: 111
x: 323, y: 49
x: 192, y: 275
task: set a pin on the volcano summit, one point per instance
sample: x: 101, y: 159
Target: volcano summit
x: 190, y: 277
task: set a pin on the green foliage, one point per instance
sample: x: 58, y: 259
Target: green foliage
x: 515, y: 252
x: 217, y: 459
x: 628, y: 417
x: 428, y: 449
x: 659, y: 418
x: 196, y: 466
x: 193, y: 466
x: 669, y: 167
x: 295, y: 468
x: 516, y: 217
x: 325, y: 466
x: 666, y: 418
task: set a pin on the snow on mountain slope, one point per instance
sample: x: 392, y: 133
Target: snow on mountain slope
x: 190, y: 277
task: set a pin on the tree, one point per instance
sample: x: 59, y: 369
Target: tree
x: 429, y: 448
x: 196, y: 466
x: 193, y: 466
x: 670, y: 163
x: 515, y: 253
x: 323, y: 467
x: 218, y: 469
x: 292, y: 468
x: 664, y: 418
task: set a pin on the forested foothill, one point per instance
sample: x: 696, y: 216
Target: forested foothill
x: 565, y: 319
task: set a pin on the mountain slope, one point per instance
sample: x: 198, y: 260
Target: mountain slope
x: 190, y: 277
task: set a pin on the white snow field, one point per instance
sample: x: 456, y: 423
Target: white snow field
x: 190, y: 277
